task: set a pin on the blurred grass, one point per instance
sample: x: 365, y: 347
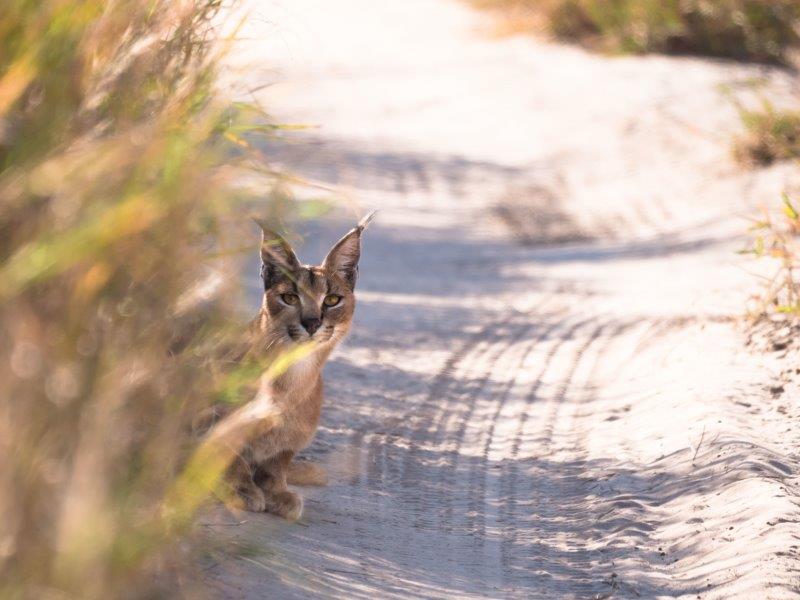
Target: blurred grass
x: 119, y: 178
x: 747, y: 30
x: 769, y: 134
x: 776, y: 237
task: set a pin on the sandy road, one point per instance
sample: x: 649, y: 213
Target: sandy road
x: 566, y: 420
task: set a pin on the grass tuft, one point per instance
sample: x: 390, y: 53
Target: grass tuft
x: 770, y: 135
x: 777, y: 239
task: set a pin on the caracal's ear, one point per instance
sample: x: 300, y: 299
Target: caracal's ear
x: 343, y: 257
x: 277, y: 256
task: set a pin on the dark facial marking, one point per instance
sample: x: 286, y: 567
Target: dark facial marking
x: 311, y: 325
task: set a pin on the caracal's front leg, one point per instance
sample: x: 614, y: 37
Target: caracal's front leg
x: 245, y: 494
x: 271, y: 478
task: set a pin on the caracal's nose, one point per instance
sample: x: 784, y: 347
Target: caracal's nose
x: 311, y: 325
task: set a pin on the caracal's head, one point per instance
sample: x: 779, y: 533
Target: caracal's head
x: 305, y: 302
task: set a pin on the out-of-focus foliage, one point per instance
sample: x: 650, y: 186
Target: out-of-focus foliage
x: 757, y: 30
x: 116, y: 170
x: 777, y: 238
x: 770, y: 134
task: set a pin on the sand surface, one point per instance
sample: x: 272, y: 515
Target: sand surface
x: 546, y: 393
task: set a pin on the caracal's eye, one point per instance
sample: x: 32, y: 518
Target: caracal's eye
x: 332, y: 300
x: 290, y: 299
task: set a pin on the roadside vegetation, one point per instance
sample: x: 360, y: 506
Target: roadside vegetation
x: 778, y: 238
x: 770, y: 134
x: 117, y: 170
x: 748, y: 30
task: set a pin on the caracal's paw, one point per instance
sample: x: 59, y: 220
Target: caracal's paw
x: 285, y: 504
x: 306, y: 473
x: 250, y: 498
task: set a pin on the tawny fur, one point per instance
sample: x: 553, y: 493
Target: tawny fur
x: 306, y: 473
x: 294, y: 311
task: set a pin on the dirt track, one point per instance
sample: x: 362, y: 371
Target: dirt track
x: 574, y: 419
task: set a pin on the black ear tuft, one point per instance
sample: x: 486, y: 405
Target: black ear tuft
x: 277, y: 256
x: 345, y: 254
x: 366, y: 220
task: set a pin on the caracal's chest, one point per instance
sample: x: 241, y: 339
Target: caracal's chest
x: 297, y: 402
